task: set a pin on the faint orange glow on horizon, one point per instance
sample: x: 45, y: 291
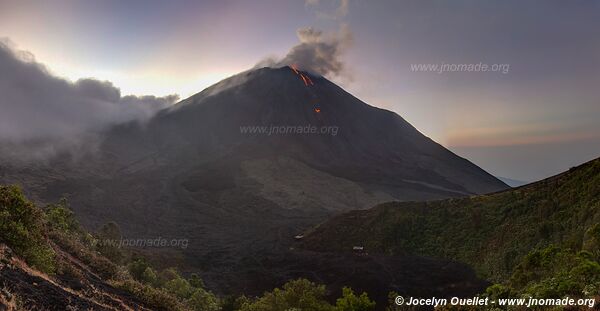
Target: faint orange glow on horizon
x: 512, y: 136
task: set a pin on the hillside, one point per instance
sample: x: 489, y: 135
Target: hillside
x: 48, y: 262
x: 498, y: 234
x: 25, y: 288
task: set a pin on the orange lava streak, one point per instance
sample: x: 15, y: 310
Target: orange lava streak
x: 304, y: 79
x: 308, y: 79
x: 294, y: 68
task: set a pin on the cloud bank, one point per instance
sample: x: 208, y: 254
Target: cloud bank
x: 37, y: 106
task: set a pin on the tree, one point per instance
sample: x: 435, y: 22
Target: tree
x: 202, y: 300
x: 109, y: 242
x: 179, y: 287
x: 196, y: 281
x: 149, y: 276
x: 167, y: 275
x: 137, y: 268
x: 298, y: 294
x: 60, y: 217
x: 23, y: 229
x: 350, y: 302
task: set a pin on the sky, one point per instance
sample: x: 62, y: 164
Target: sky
x: 535, y: 116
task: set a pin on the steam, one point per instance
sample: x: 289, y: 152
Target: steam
x: 317, y: 52
x: 38, y: 107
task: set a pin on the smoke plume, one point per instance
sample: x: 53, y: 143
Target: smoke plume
x: 317, y: 52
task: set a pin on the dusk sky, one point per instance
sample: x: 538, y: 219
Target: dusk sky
x: 537, y: 118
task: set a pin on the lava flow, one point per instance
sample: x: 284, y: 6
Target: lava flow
x: 307, y: 82
x: 306, y: 79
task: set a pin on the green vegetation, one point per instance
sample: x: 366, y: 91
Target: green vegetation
x: 351, y: 302
x: 302, y: 294
x: 541, y: 240
x: 169, y: 281
x: 490, y: 232
x: 109, y: 237
x: 155, y: 297
x: 299, y: 294
x: 61, y: 218
x: 551, y: 272
x: 23, y: 228
x: 37, y: 235
x: 176, y: 293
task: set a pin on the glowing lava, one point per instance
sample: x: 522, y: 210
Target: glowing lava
x: 306, y: 79
x: 294, y: 68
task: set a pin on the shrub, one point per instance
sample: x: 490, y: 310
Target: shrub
x: 167, y: 275
x: 60, y: 217
x: 99, y: 264
x: 109, y: 239
x: 179, y: 287
x: 196, y: 281
x: 22, y: 228
x: 298, y: 294
x: 350, y: 302
x: 202, y: 300
x: 154, y: 297
x: 137, y: 268
x: 149, y: 277
x: 553, y: 273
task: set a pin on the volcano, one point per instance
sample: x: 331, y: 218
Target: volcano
x: 373, y: 149
x: 242, y: 167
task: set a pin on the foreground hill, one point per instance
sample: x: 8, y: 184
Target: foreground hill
x: 203, y: 172
x: 518, y: 235
x: 48, y: 262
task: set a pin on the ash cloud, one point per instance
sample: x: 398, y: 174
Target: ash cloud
x: 39, y: 107
x: 317, y: 52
